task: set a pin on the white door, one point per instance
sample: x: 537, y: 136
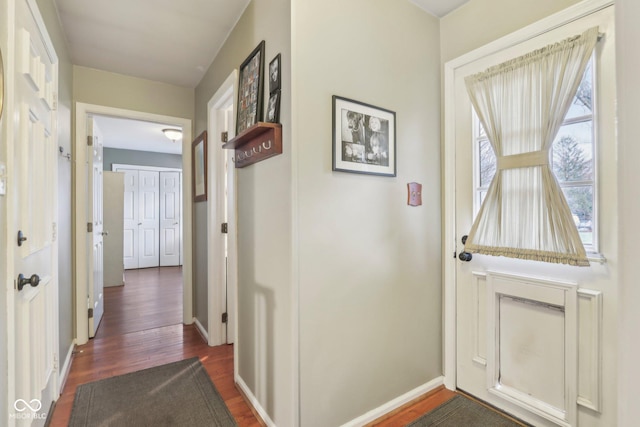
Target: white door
x: 31, y: 130
x: 131, y: 221
x: 538, y: 339
x: 170, y: 218
x: 148, y: 211
x: 95, y: 244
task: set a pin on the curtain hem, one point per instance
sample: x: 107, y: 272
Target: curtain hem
x: 531, y: 254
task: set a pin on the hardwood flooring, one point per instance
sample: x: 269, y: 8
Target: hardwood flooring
x: 142, y: 336
x: 141, y: 328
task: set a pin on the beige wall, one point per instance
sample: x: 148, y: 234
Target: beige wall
x: 264, y: 222
x: 98, y: 87
x: 369, y: 265
x: 482, y: 21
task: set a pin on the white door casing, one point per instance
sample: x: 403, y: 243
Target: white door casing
x: 221, y: 207
x: 31, y: 81
x: 95, y: 211
x: 535, y: 339
x: 80, y: 218
x: 169, y: 218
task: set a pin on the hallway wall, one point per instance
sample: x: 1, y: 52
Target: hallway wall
x: 369, y: 264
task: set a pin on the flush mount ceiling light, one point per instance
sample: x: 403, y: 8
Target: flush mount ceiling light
x: 173, y: 134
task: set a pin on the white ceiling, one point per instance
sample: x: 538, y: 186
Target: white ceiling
x: 163, y: 40
x: 439, y: 8
x: 136, y: 135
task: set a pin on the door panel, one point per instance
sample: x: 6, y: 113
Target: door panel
x: 530, y: 335
x: 131, y: 232
x: 170, y: 218
x: 149, y: 206
x: 31, y: 204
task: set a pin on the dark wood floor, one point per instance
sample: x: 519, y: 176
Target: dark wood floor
x: 141, y: 328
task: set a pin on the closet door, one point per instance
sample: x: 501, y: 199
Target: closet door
x: 149, y: 224
x: 130, y: 233
x: 169, y: 218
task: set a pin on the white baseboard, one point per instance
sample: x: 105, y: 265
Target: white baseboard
x: 254, y: 402
x: 202, y: 330
x: 378, y: 412
x: 66, y: 367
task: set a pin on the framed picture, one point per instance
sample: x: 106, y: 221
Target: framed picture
x: 273, y: 108
x: 364, y: 138
x: 274, y: 74
x: 199, y: 167
x: 250, y: 89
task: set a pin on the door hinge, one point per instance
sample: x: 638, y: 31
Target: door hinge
x: 55, y: 101
x: 224, y: 228
x: 89, y: 227
x: 225, y: 317
x: 91, y: 313
x: 224, y: 136
x: 90, y: 140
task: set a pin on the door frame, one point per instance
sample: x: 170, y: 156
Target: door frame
x: 226, y: 94
x: 450, y: 241
x: 82, y: 110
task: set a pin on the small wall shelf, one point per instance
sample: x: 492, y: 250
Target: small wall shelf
x: 259, y: 142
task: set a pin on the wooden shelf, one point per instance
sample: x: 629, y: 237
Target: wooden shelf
x: 257, y: 143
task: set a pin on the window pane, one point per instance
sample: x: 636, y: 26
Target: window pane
x: 580, y: 201
x: 487, y: 162
x: 582, y: 103
x: 573, y: 152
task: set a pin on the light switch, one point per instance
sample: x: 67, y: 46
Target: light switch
x: 415, y: 194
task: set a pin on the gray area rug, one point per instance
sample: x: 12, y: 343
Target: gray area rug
x: 176, y: 394
x: 463, y: 412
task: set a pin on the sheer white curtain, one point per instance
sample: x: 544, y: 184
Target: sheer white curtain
x: 521, y: 104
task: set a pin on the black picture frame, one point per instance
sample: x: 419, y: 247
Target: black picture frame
x: 274, y: 74
x: 272, y: 115
x: 364, y: 138
x: 199, y: 167
x: 250, y: 92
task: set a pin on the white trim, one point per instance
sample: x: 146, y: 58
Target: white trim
x: 559, y: 19
x: 115, y: 166
x: 217, y: 284
x: 66, y: 367
x: 254, y: 402
x: 201, y: 328
x: 80, y: 196
x: 591, y: 396
x: 394, y: 404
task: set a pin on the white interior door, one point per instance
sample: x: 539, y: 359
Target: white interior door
x: 149, y: 215
x: 538, y: 339
x: 31, y: 122
x: 170, y: 226
x: 95, y: 236
x: 131, y: 222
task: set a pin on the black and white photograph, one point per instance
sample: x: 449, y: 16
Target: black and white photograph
x: 363, y: 138
x: 274, y: 74
x: 250, y: 89
x: 273, y: 108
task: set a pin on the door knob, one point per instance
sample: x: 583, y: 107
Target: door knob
x: 139, y: 223
x: 465, y: 256
x: 105, y: 233
x: 34, y: 280
x: 175, y: 223
x: 21, y: 237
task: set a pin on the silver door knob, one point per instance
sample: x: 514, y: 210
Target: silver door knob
x: 34, y: 281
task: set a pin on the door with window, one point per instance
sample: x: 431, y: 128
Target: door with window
x: 534, y: 338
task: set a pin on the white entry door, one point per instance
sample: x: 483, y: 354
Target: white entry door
x: 95, y: 243
x: 538, y: 339
x: 170, y: 202
x: 30, y: 126
x: 149, y: 213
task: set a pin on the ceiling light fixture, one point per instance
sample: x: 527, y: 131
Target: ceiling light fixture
x: 173, y: 134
